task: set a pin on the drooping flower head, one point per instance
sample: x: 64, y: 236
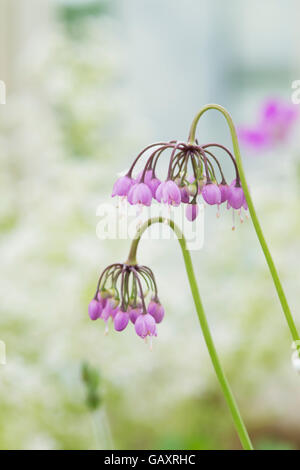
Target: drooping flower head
x: 194, y: 172
x: 121, y: 296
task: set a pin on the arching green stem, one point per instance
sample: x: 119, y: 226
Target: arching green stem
x: 238, y: 421
x: 257, y: 226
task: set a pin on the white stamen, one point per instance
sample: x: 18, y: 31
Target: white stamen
x: 233, y: 220
x: 241, y: 217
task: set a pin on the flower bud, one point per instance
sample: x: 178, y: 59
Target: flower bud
x: 121, y: 320
x: 122, y: 186
x: 192, y: 212
x: 211, y: 194
x: 95, y: 309
x: 156, y: 310
x: 145, y: 326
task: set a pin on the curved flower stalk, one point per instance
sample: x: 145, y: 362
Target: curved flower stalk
x: 257, y: 226
x: 233, y: 407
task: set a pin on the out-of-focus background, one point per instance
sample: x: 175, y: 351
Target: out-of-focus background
x: 89, y: 83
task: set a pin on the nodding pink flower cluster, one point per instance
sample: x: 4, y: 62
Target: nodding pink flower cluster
x: 274, y: 125
x: 193, y: 172
x: 121, y: 296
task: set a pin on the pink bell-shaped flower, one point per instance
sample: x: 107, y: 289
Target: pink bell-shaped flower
x: 122, y: 186
x: 95, y: 309
x: 192, y: 211
x: 145, y: 326
x: 121, y: 320
x: 141, y: 194
x: 156, y: 310
x: 211, y: 194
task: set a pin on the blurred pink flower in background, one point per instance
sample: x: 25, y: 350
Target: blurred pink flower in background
x: 274, y: 125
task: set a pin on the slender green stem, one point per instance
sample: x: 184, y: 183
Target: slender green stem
x: 238, y: 421
x: 257, y: 226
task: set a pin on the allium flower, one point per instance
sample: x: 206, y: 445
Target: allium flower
x: 132, y: 282
x: 121, y: 320
x: 193, y: 170
x: 130, y: 193
x: 147, y: 178
x: 171, y: 193
x: 153, y: 185
x: 134, y: 313
x: 150, y: 180
x: 236, y: 198
x: 274, y: 125
x: 145, y: 326
x: 211, y: 194
x: 109, y: 311
x: 192, y: 211
x: 185, y: 196
x: 159, y: 192
x: 95, y: 309
x: 122, y: 186
x: 156, y: 310
x: 122, y: 290
x: 141, y: 194
x: 224, y: 189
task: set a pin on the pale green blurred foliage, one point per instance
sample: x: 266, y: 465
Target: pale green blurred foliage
x: 63, y: 137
